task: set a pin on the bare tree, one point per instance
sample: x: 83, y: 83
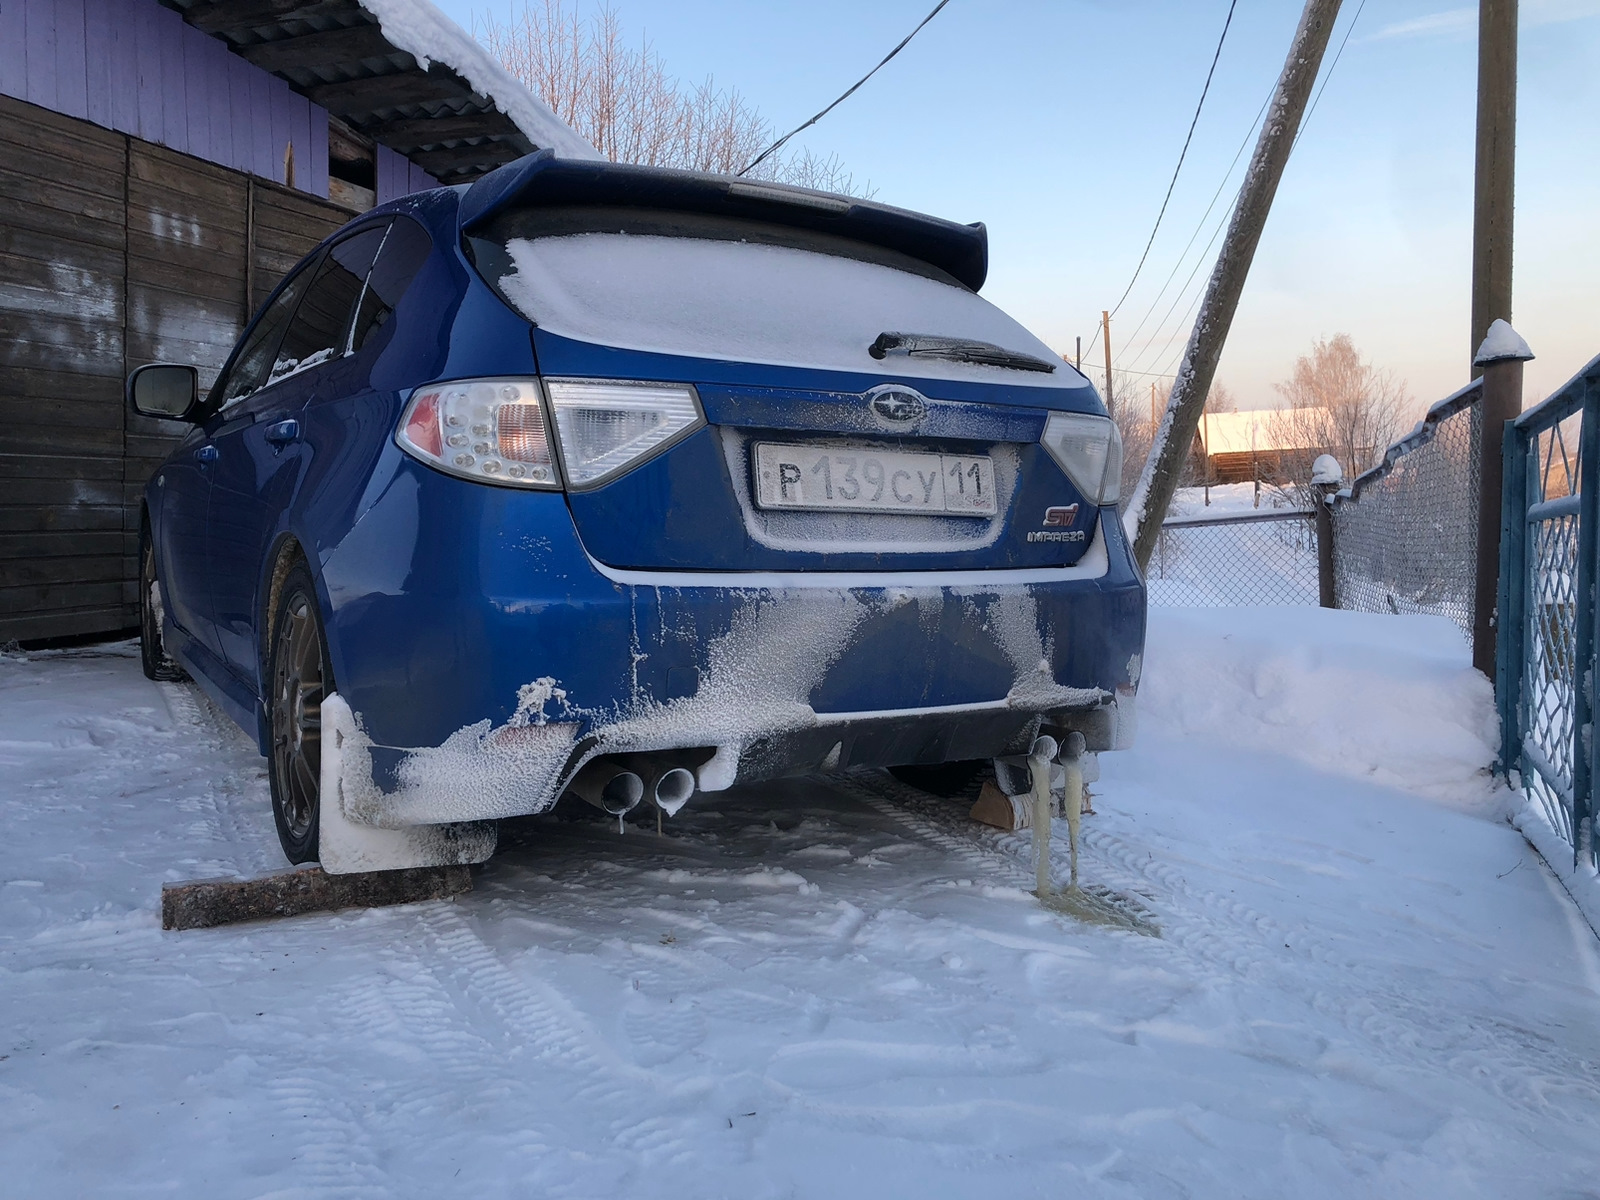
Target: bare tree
x: 1139, y: 409
x: 624, y: 101
x: 1220, y: 399
x: 1338, y: 404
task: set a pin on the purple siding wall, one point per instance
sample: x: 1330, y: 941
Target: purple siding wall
x: 399, y: 176
x: 134, y: 66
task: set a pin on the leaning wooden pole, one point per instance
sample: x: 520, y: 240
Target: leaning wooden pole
x: 1159, y: 480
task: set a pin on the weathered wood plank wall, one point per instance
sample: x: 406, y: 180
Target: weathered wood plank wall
x: 113, y: 252
x: 63, y: 238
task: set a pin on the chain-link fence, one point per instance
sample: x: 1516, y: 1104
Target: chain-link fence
x: 1405, y: 534
x: 1253, y: 558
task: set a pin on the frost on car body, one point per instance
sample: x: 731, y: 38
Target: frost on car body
x: 513, y: 466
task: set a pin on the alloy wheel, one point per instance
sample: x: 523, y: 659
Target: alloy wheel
x: 298, y: 686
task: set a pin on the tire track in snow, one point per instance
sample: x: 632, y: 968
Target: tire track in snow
x: 1513, y: 1065
x: 518, y: 1016
x: 333, y: 1154
x: 235, y: 784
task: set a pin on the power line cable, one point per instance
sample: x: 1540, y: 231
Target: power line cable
x: 1199, y: 227
x: 778, y: 145
x: 1182, y: 154
x: 1326, y: 79
x: 1205, y: 256
x: 1183, y: 291
x: 1349, y: 29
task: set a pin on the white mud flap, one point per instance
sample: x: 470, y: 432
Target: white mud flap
x: 347, y: 846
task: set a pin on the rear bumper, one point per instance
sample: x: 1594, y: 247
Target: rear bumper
x: 486, y: 657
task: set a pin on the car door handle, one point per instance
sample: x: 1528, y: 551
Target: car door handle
x: 284, y: 432
x: 206, y: 453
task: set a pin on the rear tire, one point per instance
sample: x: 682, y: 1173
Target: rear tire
x: 942, y: 779
x: 153, y: 656
x: 298, y: 678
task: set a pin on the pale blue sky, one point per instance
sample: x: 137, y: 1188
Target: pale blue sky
x: 1058, y: 124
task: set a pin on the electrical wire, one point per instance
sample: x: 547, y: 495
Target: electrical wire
x: 1332, y: 66
x: 778, y: 145
x: 1182, y: 154
x: 1178, y: 299
x: 1349, y: 29
x: 1199, y: 227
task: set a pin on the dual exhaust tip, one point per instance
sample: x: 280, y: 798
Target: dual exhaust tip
x: 617, y: 788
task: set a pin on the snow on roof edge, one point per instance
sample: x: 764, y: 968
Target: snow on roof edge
x: 424, y: 32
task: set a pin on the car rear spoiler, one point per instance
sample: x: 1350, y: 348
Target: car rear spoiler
x: 541, y: 179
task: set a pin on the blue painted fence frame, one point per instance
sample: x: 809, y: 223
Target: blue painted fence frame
x: 1547, y: 632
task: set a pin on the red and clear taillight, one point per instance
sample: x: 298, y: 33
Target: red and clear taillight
x: 490, y: 430
x: 608, y: 427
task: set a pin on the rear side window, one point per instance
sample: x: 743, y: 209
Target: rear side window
x: 255, y: 357
x: 321, y: 324
x: 404, y: 251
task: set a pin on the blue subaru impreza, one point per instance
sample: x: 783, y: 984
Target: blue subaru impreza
x: 631, y: 483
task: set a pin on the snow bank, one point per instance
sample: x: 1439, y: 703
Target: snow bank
x: 1385, y: 699
x: 420, y: 29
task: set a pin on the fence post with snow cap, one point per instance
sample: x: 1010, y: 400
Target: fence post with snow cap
x: 1501, y: 356
x: 1326, y: 476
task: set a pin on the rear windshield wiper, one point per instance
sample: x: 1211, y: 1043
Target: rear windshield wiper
x: 924, y: 345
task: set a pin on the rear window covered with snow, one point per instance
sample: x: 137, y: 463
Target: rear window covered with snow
x: 747, y: 291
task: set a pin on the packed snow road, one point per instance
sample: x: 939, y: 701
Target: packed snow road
x: 1365, y: 985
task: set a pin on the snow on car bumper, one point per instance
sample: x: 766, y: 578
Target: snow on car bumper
x: 477, y: 690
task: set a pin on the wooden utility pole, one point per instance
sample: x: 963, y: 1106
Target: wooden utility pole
x: 1189, y: 390
x: 1077, y: 362
x: 1495, y: 188
x: 1500, y: 366
x: 1152, y: 408
x: 1105, y: 331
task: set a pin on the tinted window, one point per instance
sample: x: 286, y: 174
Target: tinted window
x: 261, y: 347
x: 404, y: 252
x: 322, y: 322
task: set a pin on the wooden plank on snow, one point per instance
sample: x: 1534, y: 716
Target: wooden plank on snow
x: 203, y: 903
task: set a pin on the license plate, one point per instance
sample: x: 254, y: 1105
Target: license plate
x: 830, y: 479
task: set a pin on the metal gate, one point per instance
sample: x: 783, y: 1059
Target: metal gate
x: 1547, y: 611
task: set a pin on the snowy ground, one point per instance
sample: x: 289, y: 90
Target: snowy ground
x: 1365, y: 985
x: 1257, y: 563
x: 1227, y: 500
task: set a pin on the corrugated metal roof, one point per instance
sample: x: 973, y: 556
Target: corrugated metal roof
x: 396, y: 71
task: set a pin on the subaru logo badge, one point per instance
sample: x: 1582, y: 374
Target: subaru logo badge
x: 897, y: 405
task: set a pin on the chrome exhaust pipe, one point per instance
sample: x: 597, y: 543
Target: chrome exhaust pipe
x: 668, y: 781
x: 609, y: 787
x: 672, y: 789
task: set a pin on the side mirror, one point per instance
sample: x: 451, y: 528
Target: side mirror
x: 166, y: 391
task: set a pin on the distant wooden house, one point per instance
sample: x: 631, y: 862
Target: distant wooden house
x: 162, y: 165
x: 1262, y: 444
